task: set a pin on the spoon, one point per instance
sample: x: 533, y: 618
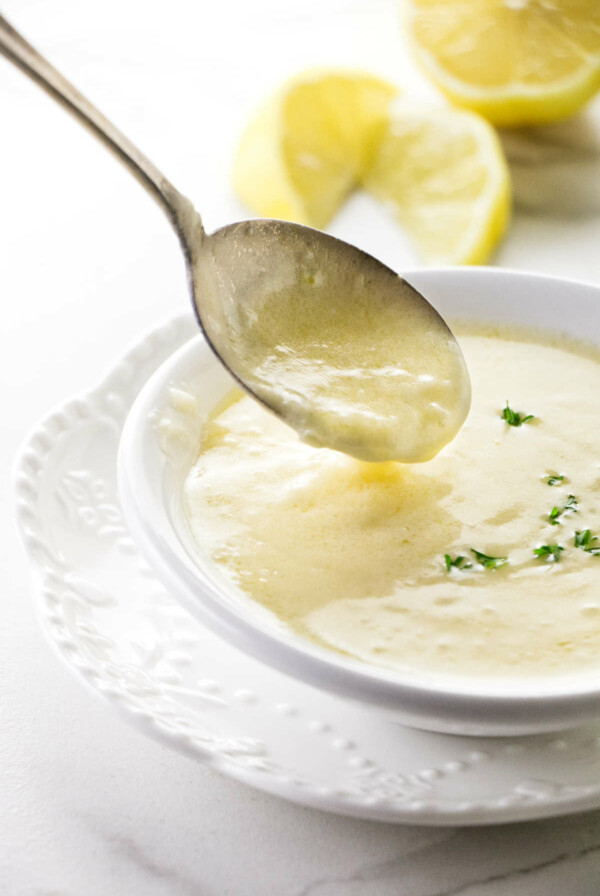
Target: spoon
x: 323, y: 334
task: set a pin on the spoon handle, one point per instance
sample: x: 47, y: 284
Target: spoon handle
x: 177, y: 208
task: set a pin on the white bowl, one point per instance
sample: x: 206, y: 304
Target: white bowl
x: 150, y: 483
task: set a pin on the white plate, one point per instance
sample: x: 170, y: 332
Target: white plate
x: 118, y: 629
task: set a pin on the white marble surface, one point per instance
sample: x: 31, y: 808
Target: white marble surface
x: 88, y: 806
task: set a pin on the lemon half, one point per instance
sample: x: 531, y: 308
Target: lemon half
x: 514, y: 61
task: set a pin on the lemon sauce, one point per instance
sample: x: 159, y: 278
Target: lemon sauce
x: 480, y: 562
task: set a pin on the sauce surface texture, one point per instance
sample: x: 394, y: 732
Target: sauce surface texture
x: 356, y: 369
x: 352, y: 555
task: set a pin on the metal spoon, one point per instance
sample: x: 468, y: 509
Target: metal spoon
x: 232, y: 270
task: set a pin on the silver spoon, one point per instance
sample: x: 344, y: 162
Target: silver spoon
x: 231, y: 271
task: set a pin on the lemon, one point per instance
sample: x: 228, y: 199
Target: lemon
x: 514, y: 61
x: 444, y: 174
x: 441, y: 170
x: 310, y: 145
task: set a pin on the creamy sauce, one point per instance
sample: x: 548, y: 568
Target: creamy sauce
x: 364, y: 374
x: 351, y: 554
x: 342, y: 348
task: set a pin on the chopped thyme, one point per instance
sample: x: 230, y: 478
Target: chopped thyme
x: 487, y: 561
x: 548, y: 552
x: 515, y: 418
x: 458, y: 562
x: 585, y: 540
x: 554, y: 478
x: 569, y: 507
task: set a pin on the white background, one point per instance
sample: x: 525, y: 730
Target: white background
x: 88, y: 807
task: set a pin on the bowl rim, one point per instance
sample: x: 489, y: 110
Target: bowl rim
x: 491, y: 705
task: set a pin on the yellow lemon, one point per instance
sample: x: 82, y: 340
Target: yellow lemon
x: 514, y: 61
x: 307, y: 148
x: 444, y: 174
x: 442, y: 170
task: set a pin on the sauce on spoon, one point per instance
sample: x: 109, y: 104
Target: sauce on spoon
x: 338, y: 345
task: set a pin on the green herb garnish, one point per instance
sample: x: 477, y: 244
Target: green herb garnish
x: 514, y: 418
x: 585, y: 540
x: 487, y: 561
x: 554, y: 479
x: 569, y: 507
x: 548, y: 552
x: 457, y: 563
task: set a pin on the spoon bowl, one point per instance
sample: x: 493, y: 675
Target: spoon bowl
x: 329, y: 338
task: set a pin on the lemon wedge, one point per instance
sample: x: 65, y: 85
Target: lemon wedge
x: 516, y: 62
x: 309, y: 146
x: 442, y: 170
x: 443, y: 173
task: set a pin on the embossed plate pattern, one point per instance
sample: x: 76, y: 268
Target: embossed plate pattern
x: 118, y: 629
